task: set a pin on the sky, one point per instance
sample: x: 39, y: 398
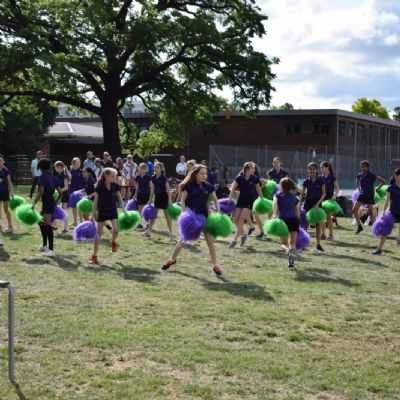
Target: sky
x: 333, y: 52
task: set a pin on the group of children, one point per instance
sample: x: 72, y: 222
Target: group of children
x: 195, y: 193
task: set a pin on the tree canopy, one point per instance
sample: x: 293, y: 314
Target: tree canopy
x: 173, y: 55
x: 286, y: 106
x: 370, y: 107
x: 396, y: 115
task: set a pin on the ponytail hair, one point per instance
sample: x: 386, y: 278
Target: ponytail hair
x: 192, y: 175
x: 393, y: 177
x: 161, y: 165
x: 328, y: 165
x: 105, y: 172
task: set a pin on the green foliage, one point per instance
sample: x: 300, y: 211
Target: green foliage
x: 286, y: 106
x: 370, y: 107
x: 276, y: 227
x: 396, y: 115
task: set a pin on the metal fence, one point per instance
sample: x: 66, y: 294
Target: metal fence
x: 231, y: 159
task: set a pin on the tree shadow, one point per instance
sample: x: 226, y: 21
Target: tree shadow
x: 66, y: 262
x: 321, y: 275
x: 244, y: 289
x: 158, y: 241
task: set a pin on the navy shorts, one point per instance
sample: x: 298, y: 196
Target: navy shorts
x: 293, y: 224
x: 4, y: 196
x: 245, y: 201
x: 143, y: 198
x: 107, y: 217
x: 365, y: 199
x: 328, y: 196
x: 310, y: 203
x: 161, y: 201
x: 48, y: 205
x: 396, y: 216
x: 65, y: 197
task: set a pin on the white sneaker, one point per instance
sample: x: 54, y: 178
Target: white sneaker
x: 9, y: 230
x: 172, y: 237
x: 49, y: 253
x: 44, y: 248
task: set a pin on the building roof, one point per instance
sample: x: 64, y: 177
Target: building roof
x: 71, y: 130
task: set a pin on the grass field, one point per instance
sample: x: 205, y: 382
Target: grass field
x: 126, y: 330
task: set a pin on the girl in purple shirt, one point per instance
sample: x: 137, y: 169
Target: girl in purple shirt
x: 76, y: 183
x: 6, y: 190
x: 62, y: 176
x: 313, y: 194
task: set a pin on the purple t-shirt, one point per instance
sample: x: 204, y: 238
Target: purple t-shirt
x: 197, y: 196
x: 287, y: 205
x: 247, y: 186
x: 144, y: 184
x: 329, y: 184
x: 4, y: 173
x: 88, y: 185
x: 60, y: 178
x: 367, y: 183
x: 76, y: 179
x: 314, y: 188
x: 394, y: 191
x: 49, y: 182
x: 107, y: 203
x: 277, y: 176
x: 159, y: 184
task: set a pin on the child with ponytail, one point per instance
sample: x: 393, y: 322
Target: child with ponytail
x: 62, y: 177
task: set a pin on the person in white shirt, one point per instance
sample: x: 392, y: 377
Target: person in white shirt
x: 181, y: 168
x: 89, y: 162
x: 129, y: 172
x: 36, y: 172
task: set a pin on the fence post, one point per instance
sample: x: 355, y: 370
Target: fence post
x: 6, y: 285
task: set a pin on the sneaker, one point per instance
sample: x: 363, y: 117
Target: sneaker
x: 291, y: 266
x: 8, y: 230
x: 323, y: 237
x: 232, y: 244
x: 398, y: 241
x: 44, y: 248
x: 319, y: 247
x: 250, y: 231
x: 140, y: 226
x: 292, y: 253
x: 146, y: 234
x: 330, y: 238
x: 168, y: 264
x: 359, y: 229
x: 108, y: 226
x: 217, y: 270
x: 49, y: 253
x: 114, y: 247
x: 377, y: 252
x: 54, y: 228
x: 260, y: 236
x: 243, y: 240
x: 93, y: 259
x: 172, y: 237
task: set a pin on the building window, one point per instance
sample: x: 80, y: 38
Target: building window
x: 292, y: 128
x: 352, y: 129
x: 320, y: 128
x: 210, y: 129
x: 342, y: 128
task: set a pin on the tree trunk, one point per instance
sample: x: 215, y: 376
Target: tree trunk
x: 109, y: 118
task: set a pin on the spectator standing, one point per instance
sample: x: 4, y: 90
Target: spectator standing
x: 129, y: 172
x: 36, y: 172
x: 107, y: 162
x: 181, y: 168
x: 97, y: 168
x: 89, y: 162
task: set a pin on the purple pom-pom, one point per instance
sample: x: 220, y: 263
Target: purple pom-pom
x: 354, y: 196
x: 278, y: 188
x: 59, y: 214
x: 74, y: 197
x: 149, y: 212
x: 86, y: 232
x: 303, y: 218
x: 227, y: 207
x: 384, y: 225
x: 302, y: 240
x: 191, y: 225
x: 131, y: 205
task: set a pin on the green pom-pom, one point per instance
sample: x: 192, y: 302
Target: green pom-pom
x: 276, y: 227
x: 128, y: 220
x: 377, y: 198
x: 85, y: 206
x: 218, y: 225
x: 331, y: 206
x: 15, y: 202
x: 56, y: 195
x: 26, y: 216
x: 262, y: 206
x: 382, y: 191
x: 174, y: 211
x: 210, y: 199
x: 269, y: 189
x: 316, y: 215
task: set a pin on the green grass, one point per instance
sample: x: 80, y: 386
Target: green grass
x: 126, y: 330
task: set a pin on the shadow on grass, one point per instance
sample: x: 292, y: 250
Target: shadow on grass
x: 357, y: 259
x: 321, y: 275
x: 338, y: 243
x: 244, y: 289
x: 18, y: 236
x: 68, y: 263
x: 19, y: 391
x: 4, y: 256
x: 138, y: 274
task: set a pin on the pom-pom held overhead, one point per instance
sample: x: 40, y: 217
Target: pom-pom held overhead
x: 15, y: 202
x: 191, y: 225
x: 316, y: 215
x: 276, y: 227
x: 85, y: 206
x: 128, y: 220
x: 149, y: 212
x: 131, y: 205
x: 218, y: 225
x: 331, y: 207
x: 227, y: 207
x: 382, y: 191
x: 302, y: 240
x: 303, y: 218
x: 59, y: 214
x: 269, y: 189
x: 74, y: 198
x: 383, y: 225
x: 262, y: 206
x: 174, y: 211
x: 86, y: 232
x: 26, y: 216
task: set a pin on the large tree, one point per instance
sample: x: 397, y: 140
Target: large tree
x: 370, y: 107
x: 172, y: 54
x: 396, y: 115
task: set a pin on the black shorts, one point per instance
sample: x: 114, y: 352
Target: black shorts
x: 293, y: 224
x: 245, y: 201
x: 143, y: 198
x: 4, y: 196
x: 48, y: 205
x: 364, y: 199
x: 161, y: 200
x: 65, y: 197
x: 107, y: 217
x: 328, y: 196
x: 310, y: 203
x: 396, y: 216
